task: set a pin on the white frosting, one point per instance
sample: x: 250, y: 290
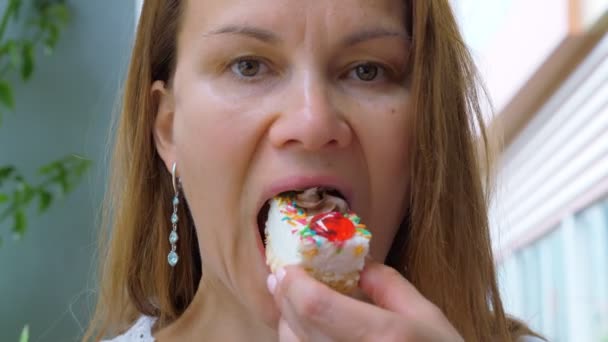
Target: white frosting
x: 326, y: 257
x: 285, y: 245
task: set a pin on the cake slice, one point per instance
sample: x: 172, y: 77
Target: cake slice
x: 317, y: 231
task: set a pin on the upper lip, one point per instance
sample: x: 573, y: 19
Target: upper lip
x: 302, y: 182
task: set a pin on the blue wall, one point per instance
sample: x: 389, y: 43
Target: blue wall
x: 46, y: 279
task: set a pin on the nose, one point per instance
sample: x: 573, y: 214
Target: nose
x: 310, y: 119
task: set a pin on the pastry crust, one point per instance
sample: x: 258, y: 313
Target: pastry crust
x: 344, y: 283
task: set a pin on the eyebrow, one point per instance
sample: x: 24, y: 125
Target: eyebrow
x: 248, y: 31
x: 270, y: 37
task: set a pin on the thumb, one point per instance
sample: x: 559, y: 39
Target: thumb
x: 285, y: 332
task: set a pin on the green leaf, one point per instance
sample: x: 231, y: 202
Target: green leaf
x: 12, y: 9
x: 27, y: 193
x: 17, y: 195
x: 48, y: 168
x: 3, y: 198
x: 13, y: 50
x: 64, y: 183
x: 27, y: 63
x: 6, y: 172
x: 81, y: 165
x: 20, y: 224
x: 45, y: 198
x: 52, y: 36
x: 6, y: 95
x: 25, y: 334
x: 15, y: 6
x: 59, y: 12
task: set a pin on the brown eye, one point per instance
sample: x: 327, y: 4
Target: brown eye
x: 247, y: 67
x: 367, y: 72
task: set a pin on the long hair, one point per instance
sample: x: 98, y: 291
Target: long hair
x: 443, y: 247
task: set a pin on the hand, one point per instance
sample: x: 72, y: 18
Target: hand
x: 311, y: 311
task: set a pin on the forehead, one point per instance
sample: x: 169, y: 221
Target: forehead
x: 293, y: 20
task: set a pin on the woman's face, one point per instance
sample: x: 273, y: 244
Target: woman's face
x: 274, y: 95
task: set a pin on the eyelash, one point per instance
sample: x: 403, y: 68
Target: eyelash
x: 238, y: 60
x: 383, y: 71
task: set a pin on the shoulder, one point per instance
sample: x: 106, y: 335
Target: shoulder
x: 141, y: 331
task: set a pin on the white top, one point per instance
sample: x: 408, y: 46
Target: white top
x: 141, y: 331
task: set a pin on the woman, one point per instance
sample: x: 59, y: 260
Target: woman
x: 230, y: 102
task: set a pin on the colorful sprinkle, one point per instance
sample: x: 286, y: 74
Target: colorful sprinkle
x: 297, y: 218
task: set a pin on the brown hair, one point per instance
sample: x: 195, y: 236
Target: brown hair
x: 443, y: 247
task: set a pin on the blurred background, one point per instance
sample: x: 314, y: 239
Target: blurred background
x: 545, y: 64
x: 59, y: 115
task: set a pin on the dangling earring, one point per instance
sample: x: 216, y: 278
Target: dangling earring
x: 172, y: 258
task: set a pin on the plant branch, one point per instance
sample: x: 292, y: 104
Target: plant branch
x: 5, y: 18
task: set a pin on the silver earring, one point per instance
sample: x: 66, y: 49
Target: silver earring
x: 173, y: 258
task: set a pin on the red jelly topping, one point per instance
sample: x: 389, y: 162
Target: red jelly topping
x: 332, y: 226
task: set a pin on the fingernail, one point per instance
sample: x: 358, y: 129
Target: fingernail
x: 271, y: 283
x: 280, y: 274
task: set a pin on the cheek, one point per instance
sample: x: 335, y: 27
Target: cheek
x: 214, y: 141
x: 213, y: 136
x: 384, y: 129
x: 384, y: 132
x: 216, y: 132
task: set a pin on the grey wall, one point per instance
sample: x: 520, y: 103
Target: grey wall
x: 66, y: 108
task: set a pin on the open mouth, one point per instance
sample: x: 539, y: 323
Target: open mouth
x: 262, y: 218
x: 263, y: 213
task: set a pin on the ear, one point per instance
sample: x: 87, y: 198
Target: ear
x: 163, y: 122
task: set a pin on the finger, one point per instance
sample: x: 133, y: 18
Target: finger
x: 390, y: 290
x: 312, y: 308
x: 302, y: 329
x: 285, y: 332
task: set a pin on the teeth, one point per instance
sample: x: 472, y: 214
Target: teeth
x: 328, y: 190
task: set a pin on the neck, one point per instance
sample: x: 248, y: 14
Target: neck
x: 216, y: 314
